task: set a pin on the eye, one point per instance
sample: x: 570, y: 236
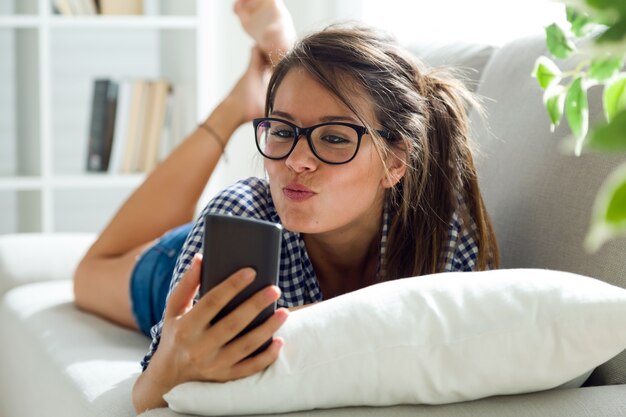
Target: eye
x: 335, y: 140
x: 282, y: 132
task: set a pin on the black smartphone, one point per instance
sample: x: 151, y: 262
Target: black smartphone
x: 234, y: 242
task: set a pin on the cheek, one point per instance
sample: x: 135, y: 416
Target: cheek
x: 359, y: 183
x: 272, y: 168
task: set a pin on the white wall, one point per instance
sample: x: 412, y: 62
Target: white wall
x: 492, y: 22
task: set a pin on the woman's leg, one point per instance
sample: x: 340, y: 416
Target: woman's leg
x: 168, y: 196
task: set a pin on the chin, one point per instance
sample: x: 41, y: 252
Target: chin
x: 296, y: 221
x: 298, y: 225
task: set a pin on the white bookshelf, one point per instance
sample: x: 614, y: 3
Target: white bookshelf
x: 47, y: 66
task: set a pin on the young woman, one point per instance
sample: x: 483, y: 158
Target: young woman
x: 370, y: 172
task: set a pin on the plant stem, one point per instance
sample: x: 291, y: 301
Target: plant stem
x: 576, y: 71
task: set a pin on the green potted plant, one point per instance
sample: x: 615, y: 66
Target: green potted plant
x: 565, y: 94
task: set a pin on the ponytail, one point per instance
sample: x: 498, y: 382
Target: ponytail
x: 441, y: 181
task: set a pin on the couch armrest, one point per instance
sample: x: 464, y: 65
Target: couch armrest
x: 31, y: 257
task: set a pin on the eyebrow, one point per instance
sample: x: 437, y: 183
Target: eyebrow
x: 323, y: 119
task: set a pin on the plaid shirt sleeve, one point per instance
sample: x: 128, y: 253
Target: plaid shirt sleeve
x: 245, y: 198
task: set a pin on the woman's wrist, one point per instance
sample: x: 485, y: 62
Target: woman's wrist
x: 224, y: 120
x: 152, y: 384
x: 148, y: 393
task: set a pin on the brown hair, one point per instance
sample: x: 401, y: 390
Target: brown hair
x: 426, y: 113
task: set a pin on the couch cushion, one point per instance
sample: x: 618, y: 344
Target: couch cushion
x: 469, y: 58
x: 539, y: 198
x: 63, y: 362
x: 32, y: 257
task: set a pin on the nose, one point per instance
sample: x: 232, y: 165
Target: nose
x: 301, y: 158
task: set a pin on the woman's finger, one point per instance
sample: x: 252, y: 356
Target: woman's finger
x: 211, y: 303
x: 230, y: 326
x: 181, y: 299
x: 243, y: 346
x: 258, y: 363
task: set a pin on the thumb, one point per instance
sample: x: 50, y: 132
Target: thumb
x: 182, y: 296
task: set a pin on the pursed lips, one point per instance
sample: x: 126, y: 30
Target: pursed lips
x: 297, y: 192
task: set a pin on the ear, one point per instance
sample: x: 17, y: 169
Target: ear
x: 396, y: 168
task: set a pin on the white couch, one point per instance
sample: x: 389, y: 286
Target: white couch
x: 58, y: 361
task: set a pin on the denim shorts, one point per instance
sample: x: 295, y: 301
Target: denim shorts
x: 151, y: 277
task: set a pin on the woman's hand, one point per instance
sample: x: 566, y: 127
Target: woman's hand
x: 191, y: 349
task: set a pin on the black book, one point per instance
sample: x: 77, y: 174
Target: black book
x: 102, y: 125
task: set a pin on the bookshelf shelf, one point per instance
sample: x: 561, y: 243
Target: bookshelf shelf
x: 23, y: 183
x: 48, y: 66
x: 124, y: 22
x: 19, y: 22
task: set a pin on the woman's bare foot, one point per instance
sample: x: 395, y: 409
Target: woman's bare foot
x: 269, y: 23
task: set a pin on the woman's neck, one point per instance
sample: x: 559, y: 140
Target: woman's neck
x: 345, y: 260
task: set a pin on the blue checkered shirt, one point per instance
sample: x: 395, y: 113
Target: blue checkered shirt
x: 297, y: 281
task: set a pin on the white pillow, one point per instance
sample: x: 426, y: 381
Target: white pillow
x: 433, y: 339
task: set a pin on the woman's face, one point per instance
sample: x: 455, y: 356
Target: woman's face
x: 312, y: 196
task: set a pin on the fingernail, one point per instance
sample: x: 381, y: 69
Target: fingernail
x: 273, y: 293
x: 248, y: 275
x: 277, y: 288
x: 282, y: 314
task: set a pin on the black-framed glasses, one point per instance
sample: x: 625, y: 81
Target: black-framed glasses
x: 333, y: 142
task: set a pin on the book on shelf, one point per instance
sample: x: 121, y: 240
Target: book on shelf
x: 154, y: 125
x: 94, y: 7
x: 138, y: 135
x: 132, y: 130
x: 63, y: 7
x: 75, y: 7
x: 104, y: 101
x: 83, y: 7
x: 139, y: 157
x: 121, y: 7
x: 124, y: 95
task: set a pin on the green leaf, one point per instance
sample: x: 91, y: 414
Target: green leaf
x: 617, y: 6
x: 581, y: 24
x: 602, y: 69
x: 609, y: 212
x: 546, y: 72
x: 615, y: 33
x: 558, y: 43
x: 615, y: 97
x: 554, y: 101
x: 577, y: 112
x: 610, y: 137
